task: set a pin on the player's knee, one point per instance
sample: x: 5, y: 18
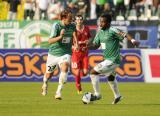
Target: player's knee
x: 93, y: 72
x: 64, y: 67
x: 85, y: 73
x: 111, y: 78
x: 75, y: 72
x: 48, y: 75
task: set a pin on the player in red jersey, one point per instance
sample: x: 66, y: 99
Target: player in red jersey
x: 80, y: 57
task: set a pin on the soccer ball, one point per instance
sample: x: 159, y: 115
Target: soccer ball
x: 87, y: 98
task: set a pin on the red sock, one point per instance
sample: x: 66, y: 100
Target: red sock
x: 78, y: 83
x: 81, y: 74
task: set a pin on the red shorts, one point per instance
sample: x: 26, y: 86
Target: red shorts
x: 80, y: 60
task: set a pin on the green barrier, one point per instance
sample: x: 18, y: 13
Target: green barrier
x: 25, y: 34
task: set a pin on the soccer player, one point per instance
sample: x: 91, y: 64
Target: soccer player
x: 59, y: 54
x: 80, y: 57
x: 109, y: 39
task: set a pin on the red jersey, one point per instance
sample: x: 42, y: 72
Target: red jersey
x: 80, y: 58
x: 82, y: 36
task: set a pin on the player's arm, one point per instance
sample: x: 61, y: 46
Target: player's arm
x: 127, y: 36
x: 75, y: 40
x: 96, y: 42
x: 89, y: 38
x: 58, y: 38
x: 93, y: 46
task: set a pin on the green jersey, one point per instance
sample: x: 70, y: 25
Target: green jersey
x: 109, y: 40
x: 101, y: 2
x: 63, y: 46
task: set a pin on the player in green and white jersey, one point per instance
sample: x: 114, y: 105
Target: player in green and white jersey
x: 61, y: 39
x: 109, y: 39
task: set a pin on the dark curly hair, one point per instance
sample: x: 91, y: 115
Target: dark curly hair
x: 108, y: 17
x: 65, y: 13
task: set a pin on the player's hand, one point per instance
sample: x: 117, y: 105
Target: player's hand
x: 76, y: 47
x: 87, y: 42
x: 84, y: 48
x: 135, y: 43
x: 62, y: 33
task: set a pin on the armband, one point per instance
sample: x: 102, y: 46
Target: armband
x: 133, y: 40
x: 124, y: 35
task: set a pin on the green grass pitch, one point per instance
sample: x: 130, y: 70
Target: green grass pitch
x: 24, y: 99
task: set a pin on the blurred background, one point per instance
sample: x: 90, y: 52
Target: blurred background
x: 140, y: 18
x: 25, y: 27
x: 90, y: 9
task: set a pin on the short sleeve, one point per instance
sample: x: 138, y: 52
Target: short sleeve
x: 74, y: 26
x: 116, y: 32
x: 54, y: 30
x: 97, y: 39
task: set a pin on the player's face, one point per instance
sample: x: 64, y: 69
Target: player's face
x: 103, y: 23
x: 79, y: 20
x: 68, y: 19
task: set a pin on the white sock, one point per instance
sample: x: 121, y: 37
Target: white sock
x: 95, y: 84
x: 59, y: 89
x: 62, y: 81
x: 45, y: 79
x: 114, y: 88
x: 63, y: 77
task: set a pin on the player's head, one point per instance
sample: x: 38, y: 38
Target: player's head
x: 66, y: 16
x: 105, y: 21
x: 79, y: 19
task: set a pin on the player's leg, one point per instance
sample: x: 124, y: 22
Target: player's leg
x: 76, y: 69
x: 50, y: 67
x: 94, y: 74
x: 76, y: 73
x: 64, y: 64
x: 78, y: 80
x: 114, y: 87
x: 46, y: 77
x: 78, y: 77
x: 83, y: 71
x: 84, y: 66
x: 62, y: 79
x: 49, y: 73
x: 105, y: 68
x: 95, y: 83
x: 109, y: 70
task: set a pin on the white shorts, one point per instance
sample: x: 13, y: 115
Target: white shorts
x: 107, y: 67
x: 54, y: 61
